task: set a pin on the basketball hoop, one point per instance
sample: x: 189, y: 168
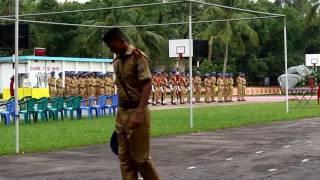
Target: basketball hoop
x: 180, y: 56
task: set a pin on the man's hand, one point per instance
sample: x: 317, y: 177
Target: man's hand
x: 136, y: 119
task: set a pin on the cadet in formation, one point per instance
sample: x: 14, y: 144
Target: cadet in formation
x: 52, y: 85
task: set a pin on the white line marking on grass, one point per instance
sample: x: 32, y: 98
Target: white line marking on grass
x: 286, y: 147
x: 259, y: 152
x: 272, y: 170
x: 305, y: 160
x: 192, y: 167
x: 229, y: 159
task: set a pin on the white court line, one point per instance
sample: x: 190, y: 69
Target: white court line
x: 305, y: 160
x: 308, y: 142
x: 229, y: 159
x: 272, y: 170
x: 286, y: 147
x: 192, y: 167
x: 259, y: 152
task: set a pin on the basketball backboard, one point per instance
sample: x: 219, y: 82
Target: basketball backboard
x: 312, y: 60
x: 179, y: 46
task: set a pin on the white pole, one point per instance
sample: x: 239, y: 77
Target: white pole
x: 286, y: 63
x: 16, y: 79
x: 190, y: 64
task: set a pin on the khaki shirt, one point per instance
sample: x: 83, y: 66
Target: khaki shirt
x: 131, y: 70
x: 207, y: 82
x: 213, y: 81
x: 51, y: 81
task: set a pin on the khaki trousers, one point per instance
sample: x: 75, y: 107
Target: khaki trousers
x: 207, y: 94
x: 134, y: 146
x: 213, y: 92
x: 198, y: 93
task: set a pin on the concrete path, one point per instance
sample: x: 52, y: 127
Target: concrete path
x: 282, y: 150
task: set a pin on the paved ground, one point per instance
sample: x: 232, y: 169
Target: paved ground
x: 282, y: 150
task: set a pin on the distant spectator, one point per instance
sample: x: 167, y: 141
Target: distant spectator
x: 12, y: 86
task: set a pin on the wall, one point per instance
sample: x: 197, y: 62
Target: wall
x: 7, y: 72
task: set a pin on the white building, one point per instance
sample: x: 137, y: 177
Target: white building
x: 34, y: 70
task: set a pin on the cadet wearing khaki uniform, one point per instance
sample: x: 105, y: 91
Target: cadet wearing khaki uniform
x: 52, y: 85
x: 60, y: 85
x: 226, y: 85
x: 184, y: 86
x: 198, y: 87
x: 242, y: 83
x: 157, y: 89
x: 133, y: 79
x: 101, y: 85
x: 230, y: 88
x: 163, y: 88
x: 82, y: 87
x: 220, y: 85
x: 207, y: 86
x: 213, y: 87
x: 67, y: 82
x: 93, y: 85
x: 173, y: 88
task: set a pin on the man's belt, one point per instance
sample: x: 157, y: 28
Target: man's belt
x: 128, y: 104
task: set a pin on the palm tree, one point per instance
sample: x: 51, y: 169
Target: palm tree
x: 231, y: 32
x: 313, y: 12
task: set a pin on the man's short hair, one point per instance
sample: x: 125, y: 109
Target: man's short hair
x: 114, y: 33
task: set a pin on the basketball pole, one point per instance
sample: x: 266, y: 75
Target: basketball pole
x: 190, y: 64
x: 16, y: 79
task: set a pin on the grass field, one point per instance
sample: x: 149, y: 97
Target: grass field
x: 57, y: 135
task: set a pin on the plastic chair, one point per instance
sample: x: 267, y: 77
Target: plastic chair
x: 89, y: 107
x: 29, y: 104
x: 75, y: 107
x: 42, y: 108
x: 68, y: 104
x: 56, y: 107
x: 10, y: 111
x: 114, y: 104
x: 22, y: 103
x: 101, y: 105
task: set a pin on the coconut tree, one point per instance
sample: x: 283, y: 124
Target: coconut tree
x: 313, y: 12
x: 235, y: 31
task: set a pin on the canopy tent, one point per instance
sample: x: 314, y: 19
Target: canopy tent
x: 190, y: 22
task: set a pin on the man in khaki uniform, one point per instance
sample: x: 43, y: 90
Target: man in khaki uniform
x: 82, y: 87
x: 60, y: 85
x: 101, y: 85
x: 230, y: 88
x: 198, y: 87
x: 107, y: 84
x: 242, y: 84
x: 133, y: 79
x: 52, y: 85
x: 157, y: 85
x: 213, y: 87
x: 173, y: 87
x: 220, y: 85
x: 207, y: 87
x: 184, y: 86
x: 226, y: 85
x: 93, y: 85
x: 163, y: 87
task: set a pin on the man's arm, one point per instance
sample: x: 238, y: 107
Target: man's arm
x: 144, y: 96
